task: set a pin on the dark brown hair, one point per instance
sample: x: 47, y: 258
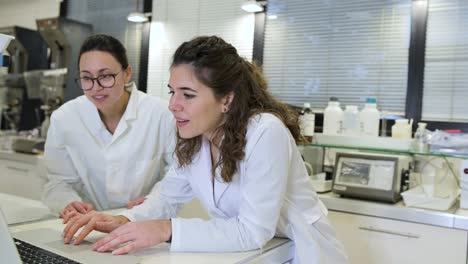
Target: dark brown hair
x: 107, y: 44
x: 218, y: 66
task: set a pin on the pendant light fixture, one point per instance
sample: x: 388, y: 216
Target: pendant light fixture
x: 253, y: 6
x: 137, y: 17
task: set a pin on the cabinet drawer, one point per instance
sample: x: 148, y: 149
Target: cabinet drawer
x: 378, y: 240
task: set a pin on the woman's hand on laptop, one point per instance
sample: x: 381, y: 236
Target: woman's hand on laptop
x: 135, y: 235
x: 74, y: 208
x: 91, y: 221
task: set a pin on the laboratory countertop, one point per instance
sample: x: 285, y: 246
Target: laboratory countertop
x: 18, y: 210
x: 20, y: 157
x: 277, y: 250
x: 452, y: 218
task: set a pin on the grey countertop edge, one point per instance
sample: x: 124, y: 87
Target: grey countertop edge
x: 394, y: 211
x: 20, y: 157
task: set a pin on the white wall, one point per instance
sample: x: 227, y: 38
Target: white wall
x: 25, y: 12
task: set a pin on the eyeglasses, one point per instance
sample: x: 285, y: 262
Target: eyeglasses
x: 105, y: 81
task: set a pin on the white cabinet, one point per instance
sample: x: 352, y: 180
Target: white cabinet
x: 370, y: 240
x: 21, y: 179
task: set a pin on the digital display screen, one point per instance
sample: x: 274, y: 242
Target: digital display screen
x: 366, y: 173
x: 353, y: 172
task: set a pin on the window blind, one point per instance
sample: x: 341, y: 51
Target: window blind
x: 174, y: 22
x: 445, y: 93
x: 348, y: 49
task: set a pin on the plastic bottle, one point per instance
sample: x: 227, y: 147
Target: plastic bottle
x: 419, y: 142
x: 369, y: 118
x: 401, y: 129
x: 333, y: 117
x: 307, y: 121
x: 351, y: 121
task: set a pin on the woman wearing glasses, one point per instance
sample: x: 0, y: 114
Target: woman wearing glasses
x: 107, y: 148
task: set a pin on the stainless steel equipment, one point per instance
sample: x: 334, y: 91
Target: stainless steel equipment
x: 28, y: 51
x: 64, y: 37
x: 11, y: 89
x: 380, y: 177
x: 49, y: 86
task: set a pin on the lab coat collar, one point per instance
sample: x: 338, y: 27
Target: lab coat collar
x: 132, y: 106
x: 92, y: 120
x: 130, y: 111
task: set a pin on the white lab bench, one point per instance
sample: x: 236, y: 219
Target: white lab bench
x: 22, y: 177
x: 20, y: 210
x: 277, y: 250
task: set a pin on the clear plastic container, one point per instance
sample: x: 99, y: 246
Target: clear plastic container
x: 307, y: 121
x: 351, y: 126
x: 401, y: 129
x: 369, y: 118
x: 333, y: 117
x: 419, y: 142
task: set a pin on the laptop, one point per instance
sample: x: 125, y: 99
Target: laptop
x: 46, y: 243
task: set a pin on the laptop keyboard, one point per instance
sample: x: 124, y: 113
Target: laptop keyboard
x: 33, y: 254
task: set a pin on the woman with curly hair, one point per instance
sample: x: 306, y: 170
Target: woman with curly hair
x: 236, y: 152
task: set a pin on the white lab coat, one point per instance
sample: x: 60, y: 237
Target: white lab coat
x: 85, y: 162
x: 270, y: 195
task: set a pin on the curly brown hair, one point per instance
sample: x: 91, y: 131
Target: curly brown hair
x: 218, y: 66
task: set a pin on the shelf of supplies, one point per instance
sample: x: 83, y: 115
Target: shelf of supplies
x: 376, y: 144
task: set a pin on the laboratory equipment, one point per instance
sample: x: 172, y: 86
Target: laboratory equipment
x: 4, y: 62
x: 437, y: 187
x: 28, y: 51
x: 380, y: 177
x: 4, y: 42
x: 49, y: 86
x: 12, y: 89
x: 64, y: 37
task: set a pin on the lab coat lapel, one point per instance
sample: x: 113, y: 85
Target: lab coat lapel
x: 129, y: 115
x: 219, y: 186
x: 90, y: 117
x: 202, y: 170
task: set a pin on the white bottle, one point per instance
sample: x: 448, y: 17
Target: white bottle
x: 351, y: 126
x: 333, y: 117
x: 419, y: 142
x: 401, y: 129
x: 307, y: 121
x: 369, y: 118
